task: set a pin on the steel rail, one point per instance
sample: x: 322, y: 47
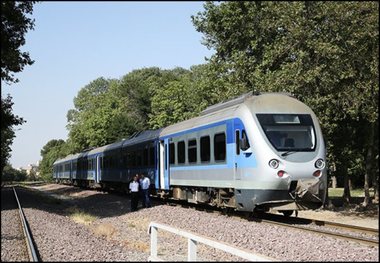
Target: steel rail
x: 28, y: 237
x: 362, y: 229
x: 367, y: 241
x: 318, y: 222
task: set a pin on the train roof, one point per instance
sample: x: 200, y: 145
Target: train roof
x: 260, y: 102
x: 65, y: 159
x: 142, y: 136
x: 136, y: 138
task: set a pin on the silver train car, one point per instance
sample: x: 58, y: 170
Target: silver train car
x: 252, y: 153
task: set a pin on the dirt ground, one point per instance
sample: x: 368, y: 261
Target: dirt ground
x: 354, y: 214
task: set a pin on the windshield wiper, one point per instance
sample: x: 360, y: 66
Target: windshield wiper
x: 288, y: 152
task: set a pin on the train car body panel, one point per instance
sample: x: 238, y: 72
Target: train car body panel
x: 247, y: 171
x: 264, y: 151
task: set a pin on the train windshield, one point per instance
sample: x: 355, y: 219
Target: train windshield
x: 289, y: 132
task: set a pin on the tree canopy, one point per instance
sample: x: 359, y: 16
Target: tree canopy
x: 14, y: 26
x: 8, y: 120
x: 325, y: 53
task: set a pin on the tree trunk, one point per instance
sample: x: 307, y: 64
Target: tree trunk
x: 328, y: 203
x: 346, y: 191
x: 375, y: 184
x: 368, y: 165
x: 333, y: 181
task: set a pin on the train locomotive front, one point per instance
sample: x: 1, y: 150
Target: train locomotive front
x: 286, y: 141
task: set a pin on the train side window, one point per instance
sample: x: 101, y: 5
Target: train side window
x: 220, y: 147
x: 205, y: 149
x: 237, y: 141
x: 139, y: 156
x: 151, y: 155
x: 171, y: 153
x: 145, y: 159
x: 192, y: 150
x: 245, y: 143
x: 89, y: 164
x: 181, y: 152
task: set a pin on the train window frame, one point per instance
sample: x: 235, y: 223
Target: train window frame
x: 181, y: 152
x: 193, y: 149
x: 219, y: 160
x: 89, y: 164
x: 244, y: 138
x: 151, y: 155
x: 302, y: 122
x: 172, y: 153
x: 67, y: 167
x: 145, y: 155
x: 201, y: 148
x: 237, y: 141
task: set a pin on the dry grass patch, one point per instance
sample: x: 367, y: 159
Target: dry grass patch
x: 79, y: 216
x: 138, y: 223
x: 137, y: 245
x: 107, y: 230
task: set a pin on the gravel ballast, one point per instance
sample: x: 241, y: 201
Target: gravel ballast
x: 116, y: 234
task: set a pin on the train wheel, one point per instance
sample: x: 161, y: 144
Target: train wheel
x: 287, y: 213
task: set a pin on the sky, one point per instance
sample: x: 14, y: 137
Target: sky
x: 74, y: 43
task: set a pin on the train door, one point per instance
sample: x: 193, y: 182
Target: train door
x: 98, y: 169
x: 241, y: 145
x: 164, y: 164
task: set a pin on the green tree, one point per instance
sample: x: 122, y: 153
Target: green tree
x: 93, y: 117
x: 52, y: 150
x: 186, y: 94
x: 14, y: 26
x: 8, y: 120
x: 10, y: 174
x: 325, y: 53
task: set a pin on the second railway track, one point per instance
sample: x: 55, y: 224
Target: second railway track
x: 362, y: 235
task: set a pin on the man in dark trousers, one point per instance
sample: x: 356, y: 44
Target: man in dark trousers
x: 134, y: 188
x: 145, y: 185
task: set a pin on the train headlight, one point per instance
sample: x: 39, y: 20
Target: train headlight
x: 274, y: 163
x: 319, y: 164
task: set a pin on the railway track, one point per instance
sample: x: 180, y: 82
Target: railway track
x: 368, y: 236
x: 362, y: 235
x: 32, y: 251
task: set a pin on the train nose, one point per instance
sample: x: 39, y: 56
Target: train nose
x: 305, y: 190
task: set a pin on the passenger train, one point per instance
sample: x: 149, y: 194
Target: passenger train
x: 252, y: 153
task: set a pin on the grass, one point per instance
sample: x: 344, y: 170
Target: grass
x: 137, y: 245
x: 338, y: 192
x: 107, y: 230
x: 80, y: 217
x: 139, y: 223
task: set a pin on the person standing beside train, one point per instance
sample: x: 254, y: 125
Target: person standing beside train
x: 134, y: 188
x: 145, y: 185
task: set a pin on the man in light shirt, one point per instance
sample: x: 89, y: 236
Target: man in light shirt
x: 145, y: 184
x: 134, y: 189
